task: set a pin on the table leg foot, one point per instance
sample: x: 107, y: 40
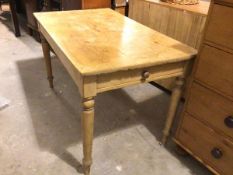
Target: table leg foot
x: 86, y: 168
x: 47, y: 57
x: 87, y: 133
x: 164, y: 139
x: 175, y: 98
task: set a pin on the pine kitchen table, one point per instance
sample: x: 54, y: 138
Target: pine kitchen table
x: 103, y: 50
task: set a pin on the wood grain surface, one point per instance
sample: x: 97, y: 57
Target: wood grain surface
x: 102, y: 41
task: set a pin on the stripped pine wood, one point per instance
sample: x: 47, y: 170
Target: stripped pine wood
x: 101, y: 56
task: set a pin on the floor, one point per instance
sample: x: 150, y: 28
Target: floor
x: 40, y: 128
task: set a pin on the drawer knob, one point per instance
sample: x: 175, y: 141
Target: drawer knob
x: 229, y: 122
x: 216, y: 153
x: 145, y: 75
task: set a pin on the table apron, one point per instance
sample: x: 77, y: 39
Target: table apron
x: 120, y: 79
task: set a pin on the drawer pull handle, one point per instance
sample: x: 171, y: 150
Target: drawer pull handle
x: 229, y: 122
x: 216, y: 153
x: 145, y: 75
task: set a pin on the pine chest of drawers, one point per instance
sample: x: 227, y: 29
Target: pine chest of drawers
x: 206, y: 126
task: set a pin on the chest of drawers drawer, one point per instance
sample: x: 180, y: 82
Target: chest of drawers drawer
x: 215, y: 69
x: 220, y: 27
x: 211, y: 148
x: 211, y: 108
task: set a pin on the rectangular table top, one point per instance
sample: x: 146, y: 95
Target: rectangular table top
x: 103, y: 41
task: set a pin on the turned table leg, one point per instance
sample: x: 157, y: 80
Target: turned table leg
x: 175, y: 98
x: 87, y: 133
x: 47, y: 57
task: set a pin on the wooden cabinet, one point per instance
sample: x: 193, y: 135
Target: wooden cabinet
x: 70, y: 4
x: 48, y: 5
x: 181, y: 22
x: 184, y: 23
x: 206, y: 126
x: 120, y: 6
x: 31, y: 6
x: 84, y: 4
